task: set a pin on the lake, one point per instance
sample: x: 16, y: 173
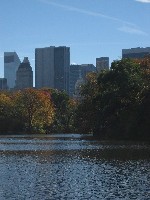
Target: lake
x: 68, y: 167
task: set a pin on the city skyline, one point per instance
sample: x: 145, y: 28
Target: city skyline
x: 91, y: 29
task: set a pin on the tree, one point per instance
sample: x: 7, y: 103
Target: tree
x: 35, y: 108
x: 110, y: 101
x: 119, y: 97
x: 84, y: 117
x: 61, y: 104
x: 5, y: 112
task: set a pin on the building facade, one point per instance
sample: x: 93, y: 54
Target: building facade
x: 52, y: 67
x: 3, y: 84
x: 78, y: 72
x: 61, y: 68
x: 102, y: 63
x: 78, y: 86
x: 44, y: 67
x: 11, y: 64
x: 24, y: 75
x: 87, y: 68
x: 75, y: 71
x: 135, y: 52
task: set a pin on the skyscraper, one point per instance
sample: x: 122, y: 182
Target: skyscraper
x: 44, y: 67
x: 11, y: 64
x: 52, y: 67
x: 78, y: 73
x: 3, y: 84
x: 75, y: 71
x: 135, y: 52
x: 102, y: 63
x: 87, y: 68
x: 24, y: 75
x: 61, y: 68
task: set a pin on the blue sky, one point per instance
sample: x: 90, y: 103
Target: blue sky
x: 91, y: 28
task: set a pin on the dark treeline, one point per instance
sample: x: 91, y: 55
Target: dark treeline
x: 114, y: 104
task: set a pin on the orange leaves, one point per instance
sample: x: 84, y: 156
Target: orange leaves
x: 144, y: 62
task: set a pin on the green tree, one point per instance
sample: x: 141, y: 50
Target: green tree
x: 5, y: 112
x: 110, y: 101
x: 119, y: 98
x: 143, y: 111
x: 84, y: 116
x: 60, y: 101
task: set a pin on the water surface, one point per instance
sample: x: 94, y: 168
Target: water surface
x: 67, y: 166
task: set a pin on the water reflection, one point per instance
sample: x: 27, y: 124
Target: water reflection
x: 69, y: 167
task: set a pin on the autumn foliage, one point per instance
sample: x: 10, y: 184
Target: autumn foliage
x: 113, y: 104
x: 28, y: 110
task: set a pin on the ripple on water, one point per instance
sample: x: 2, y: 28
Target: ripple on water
x: 72, y: 169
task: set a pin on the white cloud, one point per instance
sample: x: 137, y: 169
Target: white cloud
x: 132, y: 30
x: 143, y: 1
x: 73, y: 63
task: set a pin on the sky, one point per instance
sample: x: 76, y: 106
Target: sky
x: 91, y: 28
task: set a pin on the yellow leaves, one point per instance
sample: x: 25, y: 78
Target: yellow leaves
x: 4, y: 98
x: 38, y: 106
x: 5, y: 104
x: 33, y: 107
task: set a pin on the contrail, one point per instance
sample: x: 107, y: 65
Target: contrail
x: 87, y: 12
x: 132, y: 28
